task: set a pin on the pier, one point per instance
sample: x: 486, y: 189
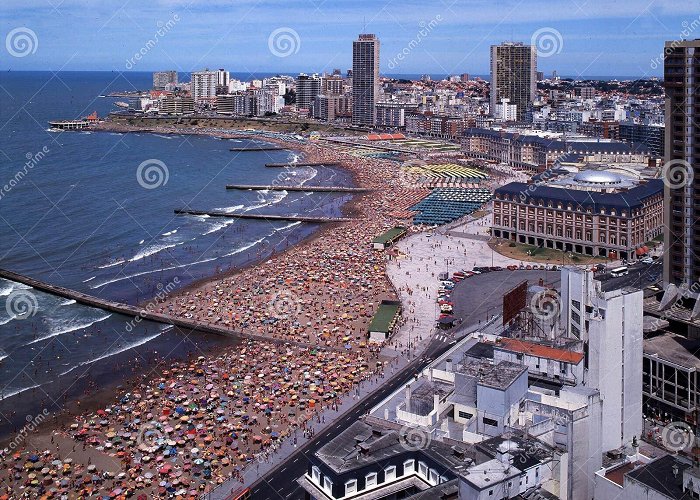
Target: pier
x: 301, y: 164
x: 312, y: 189
x: 143, y: 312
x: 293, y: 218
x: 261, y: 148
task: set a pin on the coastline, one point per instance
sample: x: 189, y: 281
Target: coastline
x: 368, y: 279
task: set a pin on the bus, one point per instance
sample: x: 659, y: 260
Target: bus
x: 619, y: 271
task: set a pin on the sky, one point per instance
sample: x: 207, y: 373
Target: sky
x: 577, y: 38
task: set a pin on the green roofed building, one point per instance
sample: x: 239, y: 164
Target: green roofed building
x: 387, y: 239
x: 384, y: 320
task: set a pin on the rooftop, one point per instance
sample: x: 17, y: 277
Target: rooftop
x: 674, y: 348
x: 631, y: 198
x: 498, y: 376
x: 362, y: 444
x: 540, y: 351
x: 658, y: 475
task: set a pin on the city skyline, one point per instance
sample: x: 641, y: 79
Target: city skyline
x: 447, y: 38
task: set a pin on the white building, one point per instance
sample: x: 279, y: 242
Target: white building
x: 203, y: 86
x: 505, y: 111
x: 610, y: 325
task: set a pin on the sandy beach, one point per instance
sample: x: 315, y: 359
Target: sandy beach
x: 193, y: 424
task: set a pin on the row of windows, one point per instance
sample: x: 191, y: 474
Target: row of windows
x: 371, y: 479
x: 550, y: 204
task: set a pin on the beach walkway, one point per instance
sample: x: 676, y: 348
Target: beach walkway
x: 312, y: 189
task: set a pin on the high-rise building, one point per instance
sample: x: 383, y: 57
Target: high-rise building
x: 513, y: 75
x: 162, y: 79
x: 682, y: 191
x: 222, y: 77
x: 308, y: 87
x: 365, y: 79
x: 203, y: 85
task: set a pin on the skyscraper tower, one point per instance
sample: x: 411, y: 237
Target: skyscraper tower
x: 365, y: 79
x: 682, y: 190
x: 513, y: 75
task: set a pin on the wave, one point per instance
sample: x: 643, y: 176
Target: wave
x: 216, y: 226
x: 113, y: 353
x: 152, y: 250
x: 68, y: 302
x: 89, y: 279
x: 6, y: 321
x: 111, y: 264
x: 6, y: 289
x: 141, y: 242
x: 18, y: 391
x: 143, y: 273
x: 277, y: 196
x: 169, y: 233
x: 3, y: 356
x: 163, y: 136
x: 60, y: 327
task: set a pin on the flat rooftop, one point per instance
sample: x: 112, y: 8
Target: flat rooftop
x: 539, y: 350
x: 498, y: 376
x: 674, y: 348
x: 363, y: 444
x: 659, y: 476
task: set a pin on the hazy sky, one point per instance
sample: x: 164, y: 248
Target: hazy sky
x: 593, y: 37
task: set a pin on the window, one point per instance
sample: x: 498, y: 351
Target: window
x: 490, y: 492
x: 351, y: 487
x: 390, y: 473
x: 316, y: 474
x: 422, y: 469
x: 491, y: 422
x: 465, y: 415
x: 327, y: 484
x: 409, y: 467
x: 434, y: 476
x: 371, y: 479
x: 576, y: 304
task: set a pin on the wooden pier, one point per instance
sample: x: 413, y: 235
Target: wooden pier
x: 261, y: 148
x: 301, y: 164
x: 313, y: 189
x: 143, y: 312
x: 293, y: 218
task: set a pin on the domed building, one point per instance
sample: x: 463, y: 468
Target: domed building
x: 592, y: 212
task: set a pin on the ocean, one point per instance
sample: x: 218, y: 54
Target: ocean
x: 94, y: 211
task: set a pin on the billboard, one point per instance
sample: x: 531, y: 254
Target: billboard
x: 514, y: 301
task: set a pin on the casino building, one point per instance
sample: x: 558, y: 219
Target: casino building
x: 592, y: 212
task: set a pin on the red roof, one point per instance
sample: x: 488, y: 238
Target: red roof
x: 540, y: 351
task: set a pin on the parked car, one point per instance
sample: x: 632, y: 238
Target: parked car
x: 512, y: 267
x: 647, y: 260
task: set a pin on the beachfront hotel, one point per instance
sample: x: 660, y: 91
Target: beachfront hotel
x: 365, y: 79
x: 593, y: 212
